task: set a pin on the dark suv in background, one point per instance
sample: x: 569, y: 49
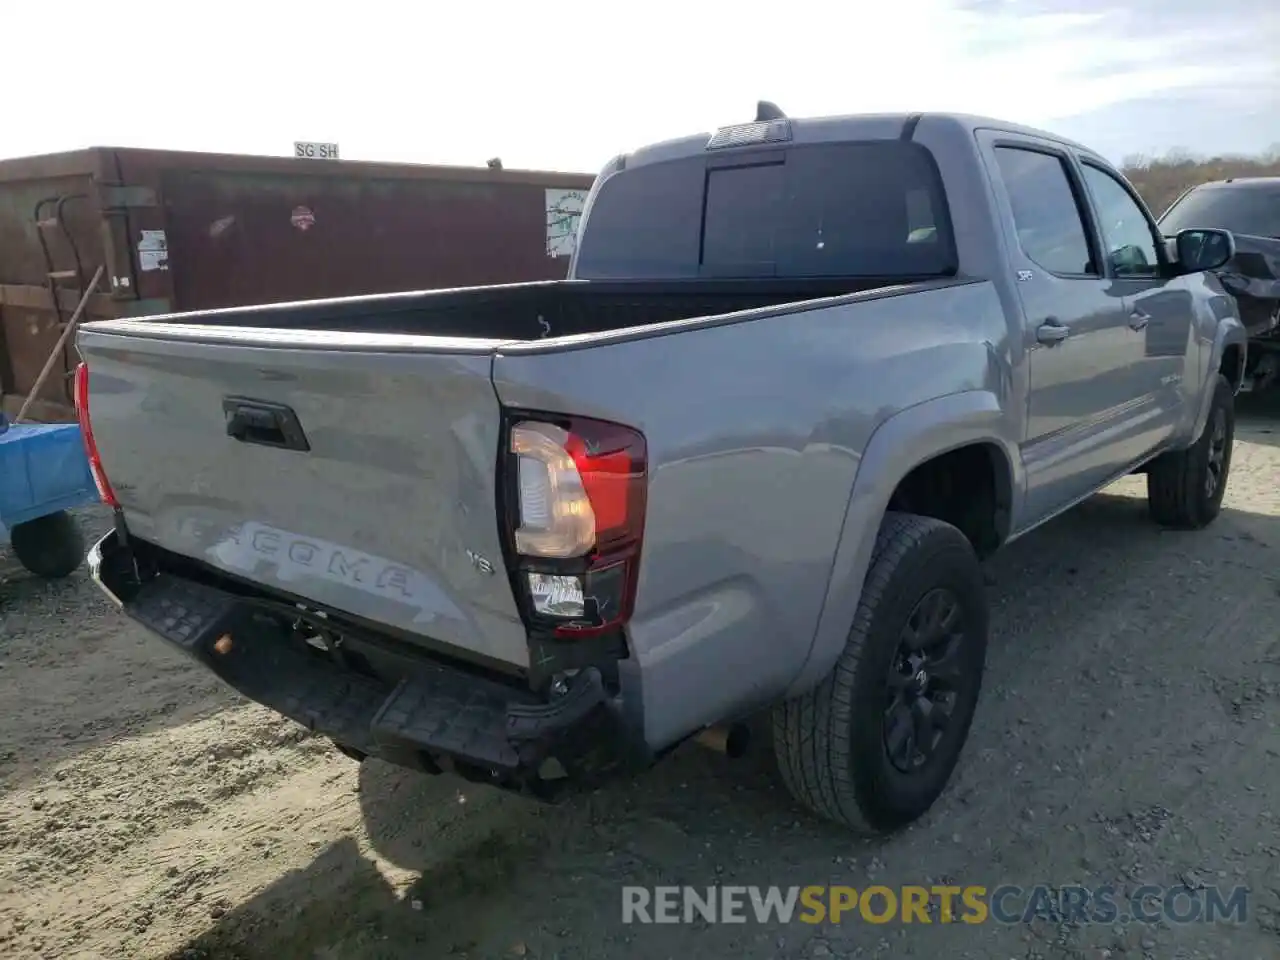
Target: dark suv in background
x: 1249, y: 207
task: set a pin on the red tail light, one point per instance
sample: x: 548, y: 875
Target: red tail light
x: 90, y: 445
x: 578, y: 503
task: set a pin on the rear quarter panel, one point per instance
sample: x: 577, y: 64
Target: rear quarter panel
x: 756, y: 431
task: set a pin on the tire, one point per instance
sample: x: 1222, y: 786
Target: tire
x: 1185, y: 487
x: 50, y: 546
x: 833, y: 743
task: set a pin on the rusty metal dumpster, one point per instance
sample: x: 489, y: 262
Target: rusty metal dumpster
x: 187, y: 231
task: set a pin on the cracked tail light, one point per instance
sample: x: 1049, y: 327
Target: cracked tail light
x: 578, y: 498
x: 90, y: 445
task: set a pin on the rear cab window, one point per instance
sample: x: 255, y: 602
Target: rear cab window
x: 852, y: 209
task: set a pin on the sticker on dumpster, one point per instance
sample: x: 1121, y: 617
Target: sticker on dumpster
x: 564, y: 210
x: 153, y: 251
x: 303, y: 218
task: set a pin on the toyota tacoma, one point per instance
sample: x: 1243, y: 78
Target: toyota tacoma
x: 802, y: 376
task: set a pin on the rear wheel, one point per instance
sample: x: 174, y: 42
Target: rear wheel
x: 1185, y: 488
x: 51, y: 546
x: 873, y: 746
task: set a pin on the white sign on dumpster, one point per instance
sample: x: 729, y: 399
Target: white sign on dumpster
x: 564, y: 210
x: 153, y: 251
x: 306, y: 150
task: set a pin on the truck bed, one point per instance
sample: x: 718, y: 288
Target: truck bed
x: 530, y: 311
x: 344, y: 452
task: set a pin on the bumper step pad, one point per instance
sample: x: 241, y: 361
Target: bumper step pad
x: 439, y: 710
x: 468, y: 721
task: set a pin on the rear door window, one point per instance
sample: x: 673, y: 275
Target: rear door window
x: 1048, y: 219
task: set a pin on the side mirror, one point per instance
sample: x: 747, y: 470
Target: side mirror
x: 1204, y: 249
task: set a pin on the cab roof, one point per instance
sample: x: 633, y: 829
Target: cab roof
x: 858, y: 126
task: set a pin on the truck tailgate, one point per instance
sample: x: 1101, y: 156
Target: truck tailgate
x: 383, y: 505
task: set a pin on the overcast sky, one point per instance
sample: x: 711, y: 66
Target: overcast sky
x: 567, y: 85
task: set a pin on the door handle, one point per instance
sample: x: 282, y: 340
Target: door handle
x: 1052, y: 331
x: 1138, y: 320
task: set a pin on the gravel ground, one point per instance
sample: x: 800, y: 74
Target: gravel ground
x: 1127, y: 735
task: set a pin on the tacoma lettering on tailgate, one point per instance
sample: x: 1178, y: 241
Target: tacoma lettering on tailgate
x: 299, y: 558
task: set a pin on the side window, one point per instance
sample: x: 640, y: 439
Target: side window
x: 1126, y: 233
x: 1045, y: 213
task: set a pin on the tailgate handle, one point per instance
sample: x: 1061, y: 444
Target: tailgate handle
x: 266, y: 424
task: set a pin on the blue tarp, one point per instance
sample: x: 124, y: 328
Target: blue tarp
x: 43, y: 469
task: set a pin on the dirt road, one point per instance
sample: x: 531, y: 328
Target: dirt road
x: 1127, y: 735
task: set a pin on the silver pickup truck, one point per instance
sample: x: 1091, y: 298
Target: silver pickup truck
x: 803, y: 375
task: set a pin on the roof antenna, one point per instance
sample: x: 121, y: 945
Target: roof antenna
x: 768, y: 111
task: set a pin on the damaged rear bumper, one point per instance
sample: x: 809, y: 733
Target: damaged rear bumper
x: 437, y: 717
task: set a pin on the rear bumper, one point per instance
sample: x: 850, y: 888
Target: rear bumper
x: 438, y: 718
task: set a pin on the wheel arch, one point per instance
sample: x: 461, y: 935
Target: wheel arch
x: 1230, y: 347
x: 899, y: 448
x: 1232, y: 363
